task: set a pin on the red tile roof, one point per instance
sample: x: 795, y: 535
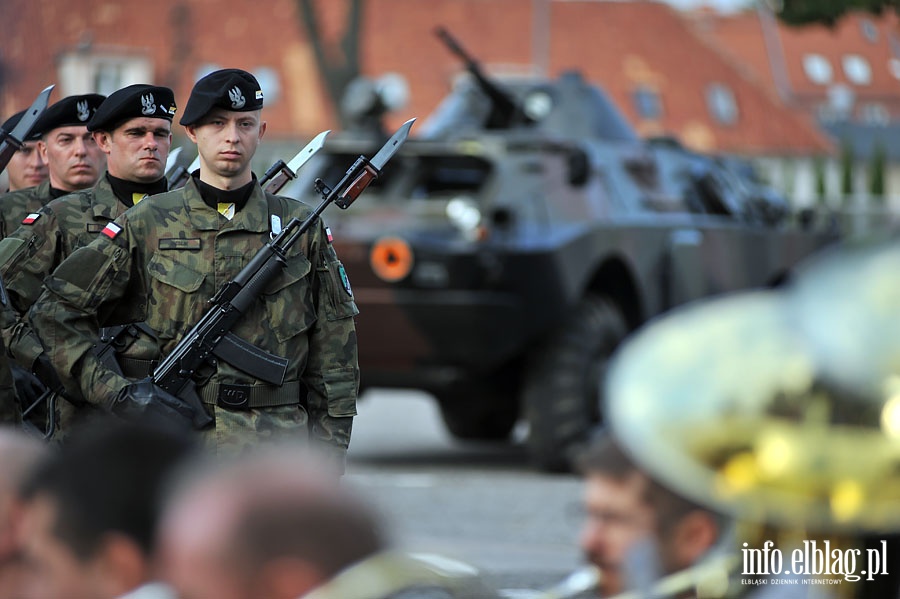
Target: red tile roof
x: 776, y: 53
x: 615, y: 44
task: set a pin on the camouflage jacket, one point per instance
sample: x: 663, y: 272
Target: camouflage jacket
x: 37, y: 247
x: 161, y: 262
x: 16, y: 205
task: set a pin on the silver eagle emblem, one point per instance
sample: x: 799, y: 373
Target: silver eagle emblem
x: 237, y: 98
x: 148, y: 105
x: 82, y: 110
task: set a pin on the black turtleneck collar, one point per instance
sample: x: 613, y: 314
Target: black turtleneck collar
x: 58, y: 193
x: 213, y: 196
x: 126, y: 191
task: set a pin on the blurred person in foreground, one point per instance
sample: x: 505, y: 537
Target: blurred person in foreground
x: 91, y: 511
x: 637, y: 530
x: 276, y: 523
x: 73, y: 159
x: 781, y: 408
x: 26, y: 168
x: 20, y: 453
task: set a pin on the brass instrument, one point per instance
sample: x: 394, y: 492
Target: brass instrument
x: 780, y: 408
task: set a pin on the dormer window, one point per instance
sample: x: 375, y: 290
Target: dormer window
x: 857, y: 69
x: 817, y: 68
x: 647, y: 103
x: 869, y: 31
x: 721, y: 103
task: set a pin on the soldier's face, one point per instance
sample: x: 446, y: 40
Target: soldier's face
x: 137, y: 149
x: 26, y: 168
x: 74, y: 160
x: 226, y: 142
x: 618, y: 516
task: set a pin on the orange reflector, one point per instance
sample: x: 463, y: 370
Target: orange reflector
x: 391, y: 258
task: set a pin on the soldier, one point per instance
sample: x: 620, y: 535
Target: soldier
x: 9, y: 410
x: 26, y: 168
x: 132, y: 127
x: 74, y: 161
x: 162, y: 260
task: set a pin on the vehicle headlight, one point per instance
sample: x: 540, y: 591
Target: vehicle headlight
x: 464, y: 213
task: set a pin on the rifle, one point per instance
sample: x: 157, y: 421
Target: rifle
x: 11, y: 141
x: 506, y: 111
x: 211, y: 336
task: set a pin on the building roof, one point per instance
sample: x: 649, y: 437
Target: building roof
x: 645, y: 54
x: 855, y: 64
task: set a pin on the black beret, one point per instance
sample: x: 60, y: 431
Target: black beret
x: 231, y: 89
x: 131, y: 102
x: 71, y: 110
x: 11, y: 123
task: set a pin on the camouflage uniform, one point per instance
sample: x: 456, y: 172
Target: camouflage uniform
x: 9, y: 410
x: 171, y: 255
x: 36, y: 249
x: 16, y: 205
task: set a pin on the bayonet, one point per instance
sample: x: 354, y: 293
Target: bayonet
x: 12, y: 141
x: 393, y: 144
x: 363, y: 171
x: 172, y: 159
x: 280, y: 173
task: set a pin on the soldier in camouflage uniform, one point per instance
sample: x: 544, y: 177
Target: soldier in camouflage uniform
x: 74, y: 161
x: 26, y: 167
x: 9, y: 412
x: 133, y: 128
x: 164, y: 259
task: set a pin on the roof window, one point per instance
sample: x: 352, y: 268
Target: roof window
x: 817, y: 68
x: 721, y: 103
x: 857, y: 69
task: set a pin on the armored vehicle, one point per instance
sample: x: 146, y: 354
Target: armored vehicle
x: 519, y: 235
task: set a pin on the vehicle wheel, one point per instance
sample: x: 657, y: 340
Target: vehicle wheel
x: 479, y: 414
x: 562, y: 386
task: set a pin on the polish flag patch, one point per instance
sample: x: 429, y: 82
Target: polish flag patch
x: 111, y: 230
x: 31, y: 218
x: 328, y: 234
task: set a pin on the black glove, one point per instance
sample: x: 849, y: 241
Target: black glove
x: 28, y: 387
x: 46, y: 373
x: 143, y: 400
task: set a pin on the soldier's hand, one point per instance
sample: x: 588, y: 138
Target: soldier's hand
x: 28, y: 386
x: 46, y: 373
x: 143, y: 400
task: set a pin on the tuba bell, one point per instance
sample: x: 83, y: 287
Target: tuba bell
x: 780, y: 409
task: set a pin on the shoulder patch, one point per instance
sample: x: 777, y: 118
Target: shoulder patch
x: 28, y: 220
x: 345, y: 280
x: 111, y: 230
x: 177, y: 243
